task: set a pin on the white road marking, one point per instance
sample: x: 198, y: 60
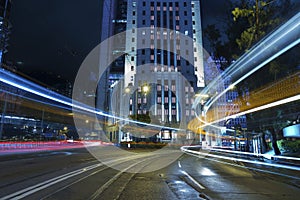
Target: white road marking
x: 179, y: 165
x: 193, y: 180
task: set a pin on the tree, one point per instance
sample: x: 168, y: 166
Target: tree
x: 251, y: 21
x: 213, y: 35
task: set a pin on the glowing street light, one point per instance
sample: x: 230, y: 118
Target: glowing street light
x: 146, y: 88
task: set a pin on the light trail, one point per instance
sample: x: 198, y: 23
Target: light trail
x: 284, y: 38
x: 245, y: 167
x: 185, y: 149
x: 10, y: 79
x: 270, y: 105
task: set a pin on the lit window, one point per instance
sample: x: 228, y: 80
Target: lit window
x: 187, y: 112
x: 166, y: 88
x: 158, y: 87
x: 186, y: 89
x: 158, y: 99
x: 166, y: 100
x: 192, y: 112
x: 173, y: 88
x: 173, y: 99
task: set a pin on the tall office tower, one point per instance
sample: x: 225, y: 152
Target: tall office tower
x: 5, y: 7
x: 113, y: 22
x: 164, y: 58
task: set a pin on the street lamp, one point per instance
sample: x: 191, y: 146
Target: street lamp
x: 145, y: 88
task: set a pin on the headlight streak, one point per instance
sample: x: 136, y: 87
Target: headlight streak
x: 254, y: 70
x: 254, y: 154
x: 278, y: 42
x: 10, y: 79
x: 38, y: 101
x: 245, y: 167
x: 185, y: 149
x: 270, y: 105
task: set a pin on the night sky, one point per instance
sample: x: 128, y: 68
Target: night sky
x: 56, y: 35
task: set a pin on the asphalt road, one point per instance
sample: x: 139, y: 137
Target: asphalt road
x: 76, y: 174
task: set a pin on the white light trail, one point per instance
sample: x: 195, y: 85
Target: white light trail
x: 185, y: 149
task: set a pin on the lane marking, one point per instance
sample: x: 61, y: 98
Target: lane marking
x: 45, y: 184
x: 179, y: 165
x: 113, y: 179
x: 193, y: 180
x: 35, y: 188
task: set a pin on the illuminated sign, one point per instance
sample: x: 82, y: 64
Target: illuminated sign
x: 292, y: 131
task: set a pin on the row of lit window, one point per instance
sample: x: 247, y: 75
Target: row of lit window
x: 165, y: 4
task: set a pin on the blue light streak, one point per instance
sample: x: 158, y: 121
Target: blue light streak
x: 186, y: 150
x: 281, y: 40
x: 25, y: 85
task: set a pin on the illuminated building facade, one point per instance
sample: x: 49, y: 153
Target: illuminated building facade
x: 164, y: 53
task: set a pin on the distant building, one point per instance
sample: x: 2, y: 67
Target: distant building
x: 225, y: 106
x: 5, y: 26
